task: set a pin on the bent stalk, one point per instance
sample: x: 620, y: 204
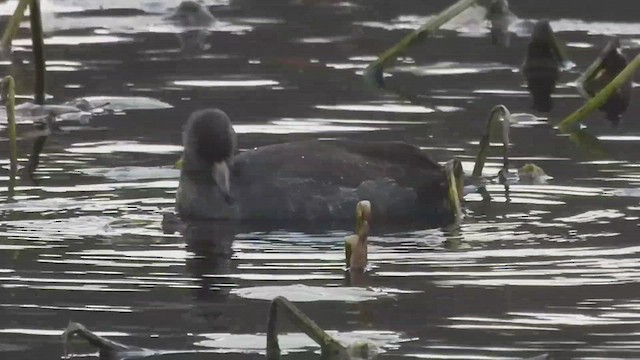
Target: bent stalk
x: 373, y: 72
x: 615, y: 43
x: 600, y: 98
x: 12, y: 27
x: 330, y: 349
x: 499, y: 112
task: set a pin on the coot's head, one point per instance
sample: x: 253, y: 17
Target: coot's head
x: 191, y: 13
x: 208, y: 139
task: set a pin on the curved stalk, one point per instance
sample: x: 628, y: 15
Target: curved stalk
x: 600, y: 98
x: 12, y: 27
x: 330, y: 349
x: 499, y: 112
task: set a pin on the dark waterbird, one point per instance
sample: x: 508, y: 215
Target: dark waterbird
x: 191, y: 13
x: 305, y: 180
x: 542, y: 66
x: 610, y: 63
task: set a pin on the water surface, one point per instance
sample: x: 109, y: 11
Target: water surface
x: 542, y: 268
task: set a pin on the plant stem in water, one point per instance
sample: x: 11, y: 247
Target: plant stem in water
x: 600, y: 98
x: 12, y: 27
x: 37, y: 39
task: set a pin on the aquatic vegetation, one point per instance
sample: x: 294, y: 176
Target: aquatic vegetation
x: 542, y: 65
x: 109, y: 349
x: 12, y: 28
x: 37, y: 40
x: 600, y: 73
x: 498, y: 113
x: 601, y: 97
x: 498, y: 14
x: 330, y: 348
x: 8, y: 97
x: 355, y: 246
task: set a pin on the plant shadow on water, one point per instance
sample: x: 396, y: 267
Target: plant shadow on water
x: 543, y: 268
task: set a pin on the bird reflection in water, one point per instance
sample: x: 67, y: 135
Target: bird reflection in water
x: 209, y: 247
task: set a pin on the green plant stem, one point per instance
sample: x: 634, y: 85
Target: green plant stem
x: 499, y: 112
x: 374, y: 71
x: 37, y: 39
x: 600, y: 98
x: 330, y: 348
x: 453, y: 188
x: 12, y: 26
x: 10, y: 103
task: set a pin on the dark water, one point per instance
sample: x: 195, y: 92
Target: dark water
x: 549, y: 268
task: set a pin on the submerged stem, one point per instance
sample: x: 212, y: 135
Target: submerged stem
x: 12, y: 27
x: 499, y: 112
x: 330, y: 348
x: 601, y: 97
x: 373, y: 72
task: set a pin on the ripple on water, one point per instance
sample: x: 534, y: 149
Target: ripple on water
x: 296, y: 342
x: 304, y: 293
x: 454, y: 68
x: 110, y: 147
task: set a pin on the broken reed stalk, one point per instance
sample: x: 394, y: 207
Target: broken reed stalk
x: 329, y: 347
x: 499, y: 112
x: 615, y: 43
x: 600, y: 98
x: 12, y: 27
x: 9, y: 96
x: 373, y: 72
x: 455, y: 176
x: 37, y: 40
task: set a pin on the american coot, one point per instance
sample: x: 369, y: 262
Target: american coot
x: 306, y: 179
x: 542, y: 66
